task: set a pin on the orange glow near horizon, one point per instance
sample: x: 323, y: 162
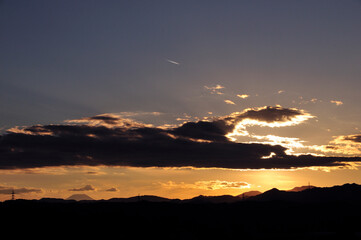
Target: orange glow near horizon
x: 180, y: 183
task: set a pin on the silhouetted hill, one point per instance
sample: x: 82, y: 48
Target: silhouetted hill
x: 273, y: 195
x: 56, y: 200
x: 145, y: 198
x: 300, y: 189
x: 249, y: 194
x: 318, y: 213
x: 80, y: 197
x: 213, y: 199
x: 344, y: 193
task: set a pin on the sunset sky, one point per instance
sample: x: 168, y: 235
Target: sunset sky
x: 178, y: 98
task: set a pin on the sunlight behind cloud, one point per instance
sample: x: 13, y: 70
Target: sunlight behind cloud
x: 207, y: 185
x: 346, y: 145
x: 272, y: 121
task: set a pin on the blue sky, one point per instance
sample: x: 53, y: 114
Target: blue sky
x: 66, y: 59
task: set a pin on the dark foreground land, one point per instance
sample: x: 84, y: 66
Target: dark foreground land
x: 182, y: 220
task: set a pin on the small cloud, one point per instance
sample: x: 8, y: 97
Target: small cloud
x: 229, y: 102
x: 182, y: 119
x: 346, y: 145
x: 9, y: 190
x: 173, y: 62
x: 215, y: 89
x: 338, y: 103
x: 207, y: 185
x: 111, y: 190
x: 356, y: 138
x: 106, y: 120
x: 85, y: 188
x: 266, y: 117
x: 243, y: 96
x: 136, y: 114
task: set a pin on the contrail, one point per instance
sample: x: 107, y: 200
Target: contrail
x: 173, y: 62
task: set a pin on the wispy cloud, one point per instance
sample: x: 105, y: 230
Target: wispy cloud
x: 206, y: 185
x: 113, y: 189
x: 215, y: 89
x: 9, y: 190
x: 338, y: 103
x: 108, y: 120
x: 173, y: 62
x: 85, y: 188
x: 346, y: 145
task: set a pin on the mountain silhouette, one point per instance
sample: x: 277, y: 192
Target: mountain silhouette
x: 143, y: 198
x: 316, y: 213
x: 213, y: 199
x: 300, y: 189
x: 79, y: 197
x: 345, y: 193
x: 249, y: 194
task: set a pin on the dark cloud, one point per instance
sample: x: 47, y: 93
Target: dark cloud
x: 270, y: 114
x: 85, y: 188
x: 109, y: 119
x: 83, y: 144
x: 9, y: 190
x: 213, y: 131
x: 217, y: 129
x: 353, y: 138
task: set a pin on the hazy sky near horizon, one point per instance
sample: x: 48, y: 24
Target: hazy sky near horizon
x: 163, y: 64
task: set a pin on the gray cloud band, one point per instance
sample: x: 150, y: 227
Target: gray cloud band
x: 199, y: 144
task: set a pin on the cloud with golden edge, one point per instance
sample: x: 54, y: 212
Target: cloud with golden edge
x: 206, y: 185
x: 215, y: 89
x: 108, y: 140
x: 287, y: 142
x: 345, y: 145
x: 243, y: 96
x: 229, y: 102
x: 34, y: 130
x: 338, y: 103
x: 265, y: 117
x: 110, y: 120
